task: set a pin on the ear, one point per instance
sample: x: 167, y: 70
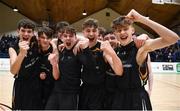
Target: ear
x: 62, y: 39
x: 83, y: 31
x: 18, y: 31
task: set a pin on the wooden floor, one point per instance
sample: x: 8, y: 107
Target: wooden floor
x: 165, y: 94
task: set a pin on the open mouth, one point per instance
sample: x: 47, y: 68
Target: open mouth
x: 25, y: 39
x: 123, y: 37
x: 68, y: 43
x: 91, y: 39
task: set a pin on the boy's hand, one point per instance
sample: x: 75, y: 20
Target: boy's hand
x: 134, y: 15
x: 24, y: 47
x: 140, y: 40
x: 80, y: 45
x: 53, y: 59
x: 106, y: 47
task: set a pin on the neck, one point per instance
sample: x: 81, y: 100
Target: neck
x: 91, y: 44
x: 45, y: 48
x: 127, y: 43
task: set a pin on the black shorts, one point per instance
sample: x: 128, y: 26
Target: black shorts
x: 121, y: 99
x: 27, y: 95
x: 62, y: 101
x: 91, y: 97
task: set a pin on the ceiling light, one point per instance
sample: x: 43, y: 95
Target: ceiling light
x: 15, y: 9
x: 84, y: 12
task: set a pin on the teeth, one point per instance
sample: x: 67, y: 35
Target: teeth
x: 25, y: 39
x: 91, y: 38
x: 123, y: 37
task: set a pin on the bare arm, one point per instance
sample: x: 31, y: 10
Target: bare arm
x: 16, y: 60
x: 112, y: 58
x: 54, y: 41
x: 140, y: 40
x: 54, y: 45
x: 53, y: 58
x: 55, y: 72
x: 167, y: 37
x: 150, y: 79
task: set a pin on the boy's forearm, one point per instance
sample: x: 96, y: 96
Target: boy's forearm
x: 164, y: 32
x: 16, y: 65
x: 56, y: 72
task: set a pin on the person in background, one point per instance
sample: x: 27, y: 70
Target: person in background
x: 59, y: 26
x: 110, y: 36
x: 102, y: 31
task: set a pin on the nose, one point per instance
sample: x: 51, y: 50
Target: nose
x: 122, y: 32
x: 68, y: 37
x: 25, y: 33
x: 91, y: 33
x: 46, y: 39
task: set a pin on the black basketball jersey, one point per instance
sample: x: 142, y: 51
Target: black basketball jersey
x: 45, y: 65
x: 29, y: 66
x: 70, y: 72
x: 97, y: 76
x: 27, y: 90
x: 131, y: 75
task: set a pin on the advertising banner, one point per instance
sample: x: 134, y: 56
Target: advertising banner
x: 165, y: 67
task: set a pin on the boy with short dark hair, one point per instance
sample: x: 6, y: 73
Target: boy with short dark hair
x: 24, y: 66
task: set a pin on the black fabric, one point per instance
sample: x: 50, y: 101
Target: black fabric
x: 92, y: 97
x: 70, y: 73
x: 93, y: 88
x: 70, y: 66
x: 62, y: 101
x: 144, y: 72
x: 130, y: 77
x: 129, y: 99
x: 97, y: 76
x: 27, y: 92
x: 68, y: 84
x: 126, y: 91
x: 48, y: 83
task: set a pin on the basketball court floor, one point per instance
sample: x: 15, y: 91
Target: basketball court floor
x: 165, y: 93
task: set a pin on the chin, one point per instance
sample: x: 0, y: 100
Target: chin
x: 68, y: 47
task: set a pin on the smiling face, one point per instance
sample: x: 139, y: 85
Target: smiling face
x: 25, y: 29
x: 123, y: 29
x: 91, y: 33
x: 25, y: 34
x: 111, y: 38
x: 90, y: 30
x: 124, y: 34
x: 69, y: 39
